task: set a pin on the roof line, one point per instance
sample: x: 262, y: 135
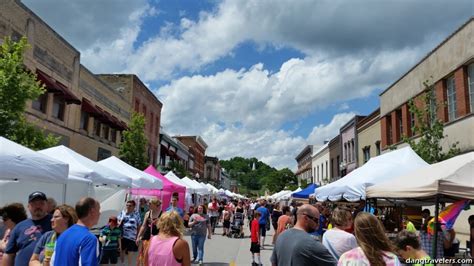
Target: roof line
x: 429, y: 54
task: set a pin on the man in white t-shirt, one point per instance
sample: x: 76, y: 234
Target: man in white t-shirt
x: 213, y: 212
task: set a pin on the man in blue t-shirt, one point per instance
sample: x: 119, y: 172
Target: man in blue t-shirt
x: 26, y: 234
x: 77, y: 244
x: 174, y: 207
x: 262, y: 222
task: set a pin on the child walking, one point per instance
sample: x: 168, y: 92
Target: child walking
x: 111, y: 244
x: 255, y: 239
x: 226, y: 224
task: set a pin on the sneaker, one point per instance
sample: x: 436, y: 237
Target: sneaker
x: 200, y: 262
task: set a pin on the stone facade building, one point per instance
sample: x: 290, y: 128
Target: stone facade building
x: 87, y: 114
x: 450, y: 69
x: 368, y: 137
x: 320, y: 164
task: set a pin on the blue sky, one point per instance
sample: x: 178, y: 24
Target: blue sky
x: 257, y: 78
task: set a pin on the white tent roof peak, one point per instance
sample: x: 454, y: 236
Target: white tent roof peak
x: 21, y: 163
x: 140, y: 179
x: 453, y: 178
x: 82, y: 167
x: 352, y: 187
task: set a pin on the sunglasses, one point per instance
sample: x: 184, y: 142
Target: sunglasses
x: 316, y: 220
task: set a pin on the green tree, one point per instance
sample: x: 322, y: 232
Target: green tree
x: 178, y: 168
x: 133, y: 149
x: 17, y: 86
x: 429, y: 129
x: 280, y: 180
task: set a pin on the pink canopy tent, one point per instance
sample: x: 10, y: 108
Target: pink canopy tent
x: 169, y: 188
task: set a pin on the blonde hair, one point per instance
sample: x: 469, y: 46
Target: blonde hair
x: 171, y: 223
x: 341, y: 217
x: 371, y: 238
x: 154, y: 201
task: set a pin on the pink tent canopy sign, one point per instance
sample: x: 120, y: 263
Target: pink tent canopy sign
x: 169, y: 188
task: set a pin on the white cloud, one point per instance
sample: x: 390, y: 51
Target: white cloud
x: 322, y: 132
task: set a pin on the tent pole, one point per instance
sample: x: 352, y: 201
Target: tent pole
x: 435, y: 242
x: 64, y: 193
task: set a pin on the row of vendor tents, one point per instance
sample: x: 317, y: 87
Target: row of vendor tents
x: 67, y: 176
x: 397, y: 175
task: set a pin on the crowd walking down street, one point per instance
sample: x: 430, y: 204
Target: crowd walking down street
x: 302, y: 234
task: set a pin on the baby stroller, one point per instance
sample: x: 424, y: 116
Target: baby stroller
x: 236, y: 227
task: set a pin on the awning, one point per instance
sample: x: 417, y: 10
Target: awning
x: 57, y: 87
x: 88, y: 107
x: 102, y: 115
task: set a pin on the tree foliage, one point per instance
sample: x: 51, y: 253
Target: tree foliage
x: 261, y: 177
x: 429, y: 129
x: 17, y: 86
x: 133, y: 149
x: 178, y: 169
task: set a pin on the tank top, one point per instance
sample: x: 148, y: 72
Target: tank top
x: 160, y: 252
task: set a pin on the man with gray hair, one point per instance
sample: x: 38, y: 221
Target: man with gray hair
x: 296, y: 247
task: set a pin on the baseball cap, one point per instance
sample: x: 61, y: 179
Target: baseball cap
x: 37, y: 195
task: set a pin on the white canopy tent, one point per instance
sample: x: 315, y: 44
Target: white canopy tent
x: 452, y: 178
x: 24, y: 171
x: 20, y: 163
x: 208, y: 191
x: 229, y: 194
x: 175, y: 179
x: 195, y: 188
x: 352, y: 187
x: 212, y: 188
x: 278, y: 194
x: 287, y: 195
x: 140, y: 179
x: 82, y: 167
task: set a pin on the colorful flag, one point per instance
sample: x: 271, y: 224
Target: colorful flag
x: 447, y: 217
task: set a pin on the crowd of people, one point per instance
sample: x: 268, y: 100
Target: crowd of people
x: 149, y: 234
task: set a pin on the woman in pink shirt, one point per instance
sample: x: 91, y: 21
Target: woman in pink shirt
x: 169, y: 248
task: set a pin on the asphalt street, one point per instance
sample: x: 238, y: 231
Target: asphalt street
x: 221, y: 250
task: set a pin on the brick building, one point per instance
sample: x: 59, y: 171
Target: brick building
x: 450, y: 68
x: 212, y: 170
x: 87, y: 114
x: 304, y: 161
x: 144, y: 102
x: 197, y: 149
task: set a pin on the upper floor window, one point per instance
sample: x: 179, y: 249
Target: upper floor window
x: 451, y: 94
x: 40, y: 103
x: 377, y: 148
x: 389, y: 130
x: 59, y: 107
x: 84, y: 120
x: 470, y: 80
x: 97, y: 127
x: 400, y: 122
x: 326, y: 169
x: 366, y: 151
